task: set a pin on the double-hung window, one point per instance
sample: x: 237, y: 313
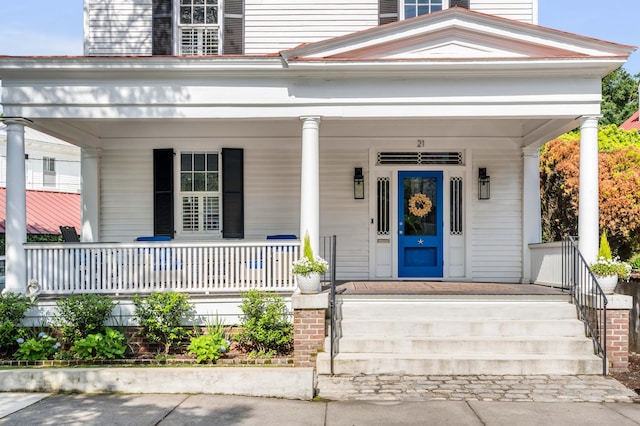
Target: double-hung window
x: 199, y: 27
x: 200, y: 192
x: 49, y: 171
x: 413, y: 8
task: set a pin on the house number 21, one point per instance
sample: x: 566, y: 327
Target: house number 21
x: 420, y: 143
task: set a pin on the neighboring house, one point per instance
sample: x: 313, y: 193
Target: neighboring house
x: 632, y: 122
x: 219, y: 127
x: 50, y: 164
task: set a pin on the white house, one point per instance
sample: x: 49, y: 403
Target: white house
x: 221, y: 123
x: 50, y: 164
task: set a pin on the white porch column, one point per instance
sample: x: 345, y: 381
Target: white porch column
x: 588, y: 208
x: 90, y: 188
x: 531, y: 215
x: 310, y: 182
x: 16, y: 225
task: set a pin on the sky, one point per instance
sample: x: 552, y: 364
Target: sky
x: 48, y: 27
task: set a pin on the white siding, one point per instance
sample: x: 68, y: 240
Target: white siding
x: 275, y: 25
x: 118, y: 27
x: 497, y: 223
x: 519, y: 10
x: 340, y: 213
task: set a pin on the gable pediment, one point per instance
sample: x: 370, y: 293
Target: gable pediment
x: 456, y: 34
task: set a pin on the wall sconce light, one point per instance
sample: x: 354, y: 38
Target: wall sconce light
x: 484, y: 184
x: 358, y: 184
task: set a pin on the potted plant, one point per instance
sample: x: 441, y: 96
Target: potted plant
x: 308, y: 269
x: 609, y: 270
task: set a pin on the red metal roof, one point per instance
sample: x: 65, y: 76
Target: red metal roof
x: 46, y: 211
x: 632, y: 123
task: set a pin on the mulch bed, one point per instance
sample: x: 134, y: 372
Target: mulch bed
x: 630, y: 379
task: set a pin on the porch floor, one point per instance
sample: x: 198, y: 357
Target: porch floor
x: 444, y: 288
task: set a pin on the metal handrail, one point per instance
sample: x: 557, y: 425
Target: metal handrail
x: 587, y: 295
x: 332, y: 305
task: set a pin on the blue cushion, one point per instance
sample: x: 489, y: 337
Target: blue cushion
x: 155, y: 238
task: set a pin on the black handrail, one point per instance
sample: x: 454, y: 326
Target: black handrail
x: 328, y: 251
x: 587, y: 295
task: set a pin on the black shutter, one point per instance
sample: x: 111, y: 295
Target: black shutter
x: 387, y: 11
x: 163, y: 192
x: 162, y: 27
x: 233, y: 27
x: 232, y: 193
x: 459, y: 3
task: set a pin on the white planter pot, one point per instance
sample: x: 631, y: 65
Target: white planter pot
x: 309, y: 283
x: 608, y: 283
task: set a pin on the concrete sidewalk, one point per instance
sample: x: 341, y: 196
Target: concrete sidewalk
x: 181, y: 409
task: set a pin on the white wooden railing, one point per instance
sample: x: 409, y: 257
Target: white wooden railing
x: 143, y: 267
x: 546, y: 263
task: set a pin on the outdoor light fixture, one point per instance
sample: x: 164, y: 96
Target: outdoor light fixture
x: 358, y: 184
x: 484, y: 184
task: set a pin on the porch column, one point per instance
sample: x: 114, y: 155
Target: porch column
x: 531, y: 216
x: 588, y: 209
x: 90, y: 189
x: 310, y: 182
x: 16, y: 221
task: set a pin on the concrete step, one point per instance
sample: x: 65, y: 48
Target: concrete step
x: 444, y: 309
x: 399, y: 328
x: 468, y: 345
x: 459, y: 364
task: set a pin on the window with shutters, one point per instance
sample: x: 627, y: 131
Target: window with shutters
x: 200, y: 192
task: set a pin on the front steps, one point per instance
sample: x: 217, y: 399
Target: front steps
x: 464, y: 335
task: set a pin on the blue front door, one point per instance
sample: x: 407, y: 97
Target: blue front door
x: 420, y: 224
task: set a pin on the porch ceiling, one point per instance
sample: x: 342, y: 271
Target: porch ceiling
x: 99, y: 133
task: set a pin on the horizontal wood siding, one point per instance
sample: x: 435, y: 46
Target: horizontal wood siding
x: 497, y: 222
x: 118, y: 27
x: 521, y: 10
x: 126, y: 193
x: 341, y: 214
x: 282, y: 24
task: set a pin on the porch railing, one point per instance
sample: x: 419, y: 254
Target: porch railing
x: 587, y: 295
x: 142, y: 267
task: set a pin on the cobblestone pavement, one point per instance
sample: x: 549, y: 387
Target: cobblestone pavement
x: 475, y: 388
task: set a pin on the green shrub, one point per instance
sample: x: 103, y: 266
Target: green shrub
x: 12, y: 309
x: 635, y: 261
x: 161, y: 316
x: 37, y: 348
x: 110, y: 345
x: 82, y: 314
x: 265, y: 324
x: 211, y: 346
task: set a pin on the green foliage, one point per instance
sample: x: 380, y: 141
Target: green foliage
x: 82, y: 314
x: 265, y: 324
x: 208, y: 347
x: 604, y: 250
x: 36, y: 348
x: 13, y: 306
x: 619, y: 97
x: 611, y: 138
x: 110, y: 345
x: 307, y: 251
x: 161, y: 316
x: 635, y: 261
x: 211, y: 346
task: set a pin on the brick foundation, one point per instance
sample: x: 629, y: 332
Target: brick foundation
x: 618, y: 339
x: 308, y: 336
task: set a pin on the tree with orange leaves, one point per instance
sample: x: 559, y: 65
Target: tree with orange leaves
x: 619, y: 187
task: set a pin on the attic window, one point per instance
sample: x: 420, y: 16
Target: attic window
x: 436, y: 157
